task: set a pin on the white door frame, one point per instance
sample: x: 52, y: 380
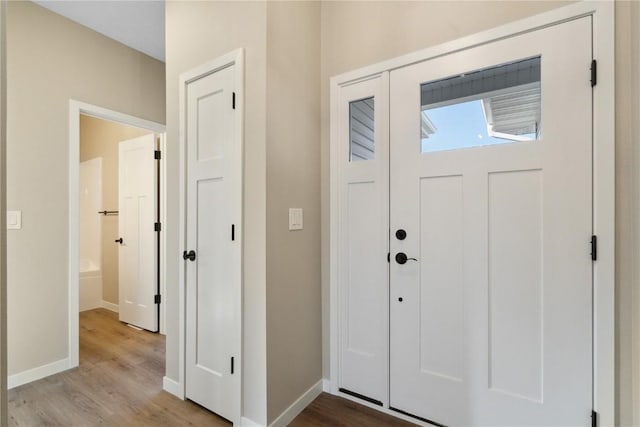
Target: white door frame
x: 76, y: 108
x: 235, y: 58
x: 602, y: 14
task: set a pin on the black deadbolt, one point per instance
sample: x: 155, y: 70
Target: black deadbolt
x: 191, y: 255
x: 401, y: 234
x: 119, y: 240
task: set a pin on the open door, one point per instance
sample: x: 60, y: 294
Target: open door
x: 138, y: 255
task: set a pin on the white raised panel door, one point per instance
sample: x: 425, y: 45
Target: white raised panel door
x: 213, y: 278
x: 363, y: 281
x: 492, y: 325
x: 137, y: 257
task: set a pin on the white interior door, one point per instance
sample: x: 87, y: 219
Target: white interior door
x: 491, y: 179
x: 137, y: 258
x: 363, y: 282
x: 213, y: 246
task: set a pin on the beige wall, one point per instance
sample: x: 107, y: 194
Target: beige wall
x: 294, y: 345
x: 100, y: 138
x: 356, y: 34
x: 198, y: 32
x: 3, y: 236
x: 51, y: 60
x: 628, y: 212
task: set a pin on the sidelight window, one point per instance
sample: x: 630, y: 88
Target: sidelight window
x: 362, y: 130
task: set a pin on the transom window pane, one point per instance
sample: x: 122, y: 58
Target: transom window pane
x: 496, y: 105
x: 362, y: 130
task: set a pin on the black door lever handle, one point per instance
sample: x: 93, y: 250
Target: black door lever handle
x: 119, y: 240
x: 401, y: 258
x: 191, y: 255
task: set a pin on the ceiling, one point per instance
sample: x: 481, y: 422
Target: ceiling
x: 138, y: 24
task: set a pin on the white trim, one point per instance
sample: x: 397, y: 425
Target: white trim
x: 163, y: 234
x: 75, y: 109
x: 110, y: 306
x: 298, y: 406
x: 37, y: 373
x: 604, y: 215
x: 246, y: 422
x: 236, y: 57
x: 326, y: 385
x: 171, y: 386
x: 603, y: 186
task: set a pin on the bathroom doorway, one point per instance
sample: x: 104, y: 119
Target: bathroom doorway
x: 99, y: 256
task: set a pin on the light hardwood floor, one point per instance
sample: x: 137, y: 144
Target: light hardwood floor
x: 119, y: 383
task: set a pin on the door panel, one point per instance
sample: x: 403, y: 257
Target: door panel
x: 137, y: 257
x: 491, y: 325
x: 363, y: 283
x: 441, y: 284
x: 213, y: 277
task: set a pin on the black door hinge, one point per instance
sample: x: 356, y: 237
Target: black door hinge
x: 594, y: 248
x: 157, y: 299
x: 232, y: 367
x: 233, y: 100
x: 388, y: 256
x: 594, y: 419
x: 157, y: 227
x: 233, y: 232
x: 157, y: 155
x: 594, y: 73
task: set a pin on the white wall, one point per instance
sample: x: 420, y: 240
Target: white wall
x: 50, y: 60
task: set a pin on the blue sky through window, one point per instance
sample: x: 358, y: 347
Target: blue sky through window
x: 458, y: 126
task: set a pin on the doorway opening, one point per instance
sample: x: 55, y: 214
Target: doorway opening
x: 106, y: 168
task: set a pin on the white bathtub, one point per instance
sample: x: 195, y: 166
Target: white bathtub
x: 90, y: 285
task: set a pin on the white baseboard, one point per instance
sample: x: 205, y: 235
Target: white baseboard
x: 34, y: 374
x: 246, y: 422
x: 110, y: 306
x: 326, y: 385
x: 173, y: 387
x: 298, y: 406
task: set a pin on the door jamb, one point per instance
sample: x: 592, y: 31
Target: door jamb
x: 602, y: 13
x: 236, y: 58
x: 76, y: 108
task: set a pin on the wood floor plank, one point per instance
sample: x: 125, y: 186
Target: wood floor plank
x: 329, y: 410
x: 119, y: 384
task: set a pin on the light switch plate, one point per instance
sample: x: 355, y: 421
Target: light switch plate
x: 295, y: 218
x: 14, y: 220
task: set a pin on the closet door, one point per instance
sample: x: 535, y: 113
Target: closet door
x: 491, y: 276
x: 363, y: 246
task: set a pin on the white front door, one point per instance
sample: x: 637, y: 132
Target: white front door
x: 137, y: 257
x: 491, y: 181
x: 213, y: 246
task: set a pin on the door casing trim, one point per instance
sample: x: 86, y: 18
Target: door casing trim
x: 602, y: 13
x: 76, y: 108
